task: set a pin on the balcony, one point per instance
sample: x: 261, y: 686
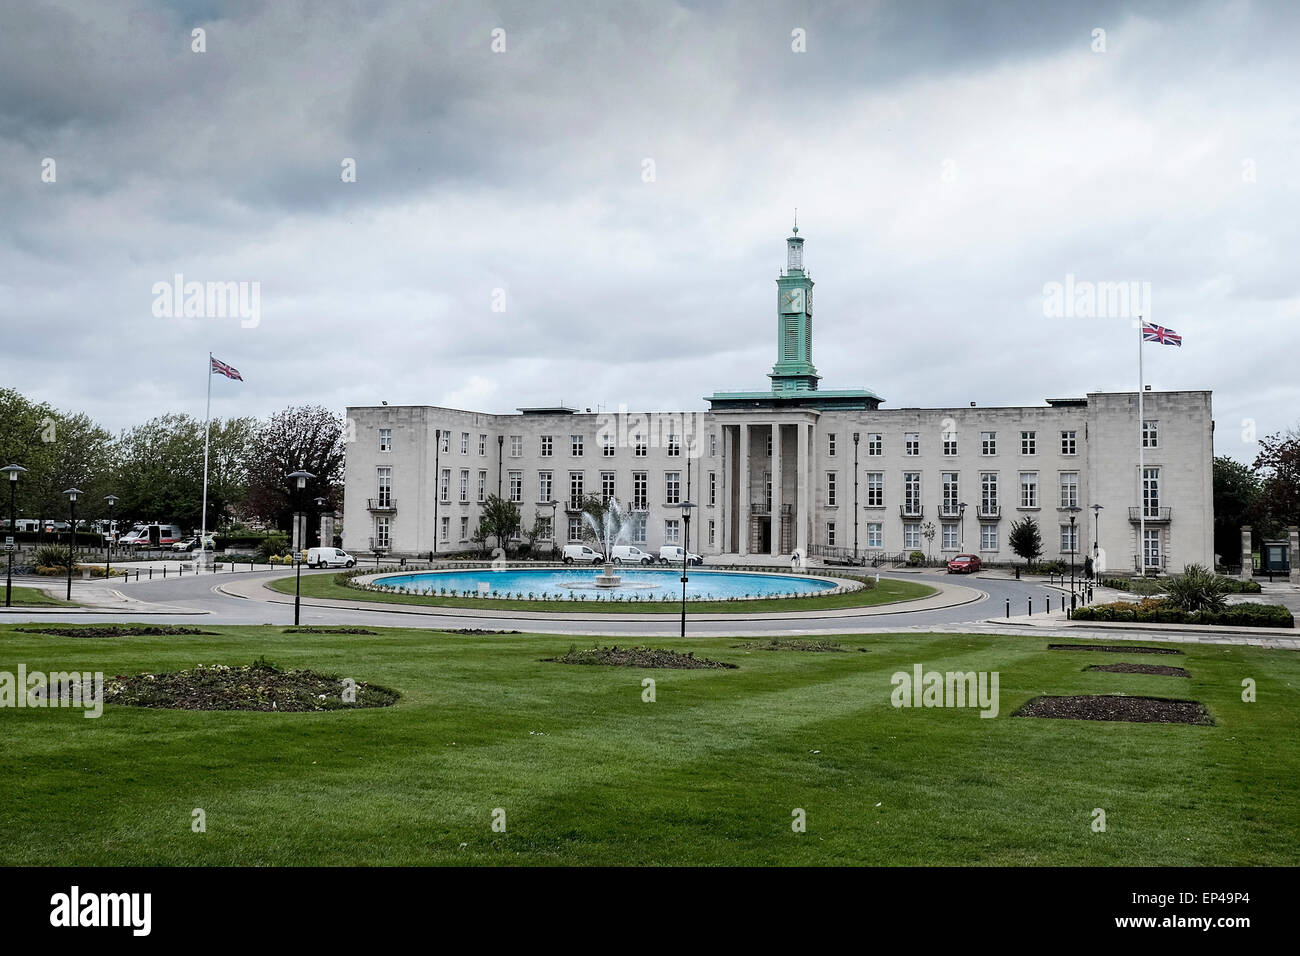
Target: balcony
x: 946, y: 511
x: 382, y: 506
x: 911, y: 511
x: 989, y: 513
x: 1153, y: 515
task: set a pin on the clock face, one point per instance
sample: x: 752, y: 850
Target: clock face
x: 792, y: 301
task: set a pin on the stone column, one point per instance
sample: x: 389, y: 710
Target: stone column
x: 776, y: 489
x: 801, y: 491
x: 1246, y: 561
x: 1294, y: 547
x: 327, y: 529
x: 742, y: 519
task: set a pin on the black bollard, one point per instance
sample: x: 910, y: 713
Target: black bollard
x: 1008, y: 607
x: 1031, y: 607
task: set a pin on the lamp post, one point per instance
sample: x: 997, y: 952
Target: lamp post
x: 72, y: 533
x: 300, y: 531
x: 1074, y: 549
x: 961, y: 512
x: 108, y: 545
x: 13, y: 471
x: 1096, y: 530
x: 856, y: 513
x: 320, y: 526
x: 686, y: 507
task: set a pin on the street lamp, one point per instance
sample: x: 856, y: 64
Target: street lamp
x: 72, y: 532
x: 1074, y: 549
x: 1096, y: 530
x: 686, y: 507
x: 553, y: 505
x: 961, y: 512
x: 108, y: 550
x: 856, y: 513
x: 13, y: 471
x: 299, y: 528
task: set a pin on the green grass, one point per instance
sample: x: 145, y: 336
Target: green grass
x: 889, y: 591
x: 708, y: 774
x: 35, y: 597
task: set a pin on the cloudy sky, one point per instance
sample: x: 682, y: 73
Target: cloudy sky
x: 590, y: 207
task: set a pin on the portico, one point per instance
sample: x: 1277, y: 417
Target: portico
x: 767, y: 477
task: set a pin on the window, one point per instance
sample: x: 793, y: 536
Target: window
x: 875, y: 489
x: 639, y: 529
x: 444, y: 485
x: 482, y: 444
x: 516, y: 486
x: 949, y: 536
x: 988, y: 443
x: 830, y: 534
x: 912, y: 444
x: 670, y: 531
x: 911, y: 535
x: 712, y: 532
x: 545, y: 485
x: 575, y: 446
x: 1069, y: 489
x: 544, y: 524
x: 444, y: 440
x: 713, y: 488
x: 606, y: 486
x: 384, y: 488
x: 1150, y: 434
x: 382, y: 526
x: 446, y: 528
x: 1069, y: 539
x: 875, y: 444
x: 674, y: 446
x: 1069, y: 446
x: 713, y: 444
x: 875, y: 534
x: 385, y: 439
x: 951, y: 495
x: 912, y: 492
x: 548, y: 445
x: 576, y: 481
x: 672, y: 487
x: 464, y: 528
x: 607, y: 446
x: 1029, y: 443
x: 464, y: 484
x: 482, y: 486
x: 830, y: 444
x: 516, y: 446
x: 830, y: 489
x: 769, y: 444
x: 988, y: 537
x: 988, y: 492
x: 1029, y: 489
x: 575, y: 528
x: 1151, y: 492
x: 639, y: 446
x: 950, y: 444
x: 1151, y: 548
x: 640, y: 491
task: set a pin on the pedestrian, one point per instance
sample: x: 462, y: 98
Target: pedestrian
x: 1087, y: 568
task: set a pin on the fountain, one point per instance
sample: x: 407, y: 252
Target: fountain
x: 609, y: 528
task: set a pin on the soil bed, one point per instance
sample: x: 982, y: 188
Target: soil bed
x: 305, y: 629
x: 1113, y: 648
x: 476, y: 630
x: 112, y: 630
x: 792, y: 644
x: 1160, y: 669
x: 1143, y: 710
x: 638, y: 657
x: 258, y: 686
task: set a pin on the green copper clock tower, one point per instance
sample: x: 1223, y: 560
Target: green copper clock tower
x: 794, y: 370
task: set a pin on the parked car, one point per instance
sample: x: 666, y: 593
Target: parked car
x: 671, y: 554
x: 964, y: 564
x: 192, y: 544
x: 329, y: 558
x: 631, y: 554
x: 582, y: 553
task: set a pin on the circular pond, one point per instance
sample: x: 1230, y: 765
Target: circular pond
x: 579, y: 584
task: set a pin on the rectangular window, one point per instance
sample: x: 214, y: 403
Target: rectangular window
x: 382, y: 527
x: 1069, y: 445
x: 639, y: 446
x: 988, y: 537
x: 951, y: 494
x: 672, y: 487
x: 1069, y: 489
x: 575, y: 446
x: 1029, y: 443
x: 670, y: 531
x: 464, y: 528
x: 912, y: 492
x: 607, y: 446
x: 482, y: 444
x: 949, y: 539
x: 548, y: 445
x: 769, y: 444
x: 384, y: 488
x: 988, y: 492
x: 875, y: 489
x: 830, y: 444
x: 875, y: 444
x: 1151, y: 548
x: 482, y: 486
x: 713, y: 488
x: 1151, y: 492
x: 446, y: 528
x: 988, y: 443
x: 544, y: 523
x: 911, y: 535
x: 1150, y: 434
x: 464, y: 484
x: 912, y: 444
x: 674, y: 446
x: 830, y: 489
x: 444, y: 440
x: 576, y: 492
x: 545, y: 485
x: 640, y: 491
x: 464, y: 443
x: 875, y: 534
x: 1069, y: 539
x: 575, y: 528
x: 516, y: 446
x: 713, y: 444
x: 385, y: 439
x: 516, y: 486
x: 639, y: 525
x: 444, y: 485
x: 830, y: 534
x: 606, y: 486
x: 712, y: 532
x: 1029, y: 489
x: 949, y: 444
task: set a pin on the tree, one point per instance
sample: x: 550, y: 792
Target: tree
x: 308, y: 438
x: 500, y: 519
x: 1025, y: 540
x: 1236, y: 503
x: 1278, y: 462
x: 927, y: 532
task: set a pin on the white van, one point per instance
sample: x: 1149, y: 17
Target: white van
x: 580, y: 552
x: 671, y: 554
x: 630, y: 554
x: 329, y: 558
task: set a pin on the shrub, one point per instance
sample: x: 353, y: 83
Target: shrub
x: 54, y: 556
x: 1056, y: 567
x: 915, y: 559
x: 272, y: 545
x: 1156, y: 611
x: 1197, y: 589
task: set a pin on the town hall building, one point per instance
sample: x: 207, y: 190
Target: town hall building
x: 796, y: 467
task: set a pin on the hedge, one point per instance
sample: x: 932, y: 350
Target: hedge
x: 1154, y: 585
x: 1158, y: 612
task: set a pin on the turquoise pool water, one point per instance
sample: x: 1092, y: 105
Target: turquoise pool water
x: 578, y: 583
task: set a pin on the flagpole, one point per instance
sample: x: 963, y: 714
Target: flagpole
x: 207, y: 430
x: 1142, y: 469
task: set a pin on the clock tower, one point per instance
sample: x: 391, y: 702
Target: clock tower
x: 794, y: 371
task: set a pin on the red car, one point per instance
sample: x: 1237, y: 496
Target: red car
x: 964, y: 564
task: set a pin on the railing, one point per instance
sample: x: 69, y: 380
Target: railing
x: 911, y: 511
x: 381, y: 504
x: 1161, y: 562
x: 949, y: 512
x: 1152, y: 514
x: 993, y: 512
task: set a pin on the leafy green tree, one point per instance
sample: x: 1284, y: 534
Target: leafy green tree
x: 1278, y: 464
x: 1236, y: 503
x: 500, y: 519
x: 1025, y: 540
x: 307, y: 437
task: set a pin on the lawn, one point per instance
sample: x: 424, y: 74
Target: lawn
x: 888, y: 591
x: 709, y: 773
x: 35, y: 597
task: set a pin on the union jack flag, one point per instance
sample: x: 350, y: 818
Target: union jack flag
x: 1158, y: 333
x: 221, y: 368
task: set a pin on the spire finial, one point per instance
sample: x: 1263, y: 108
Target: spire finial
x: 796, y: 220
